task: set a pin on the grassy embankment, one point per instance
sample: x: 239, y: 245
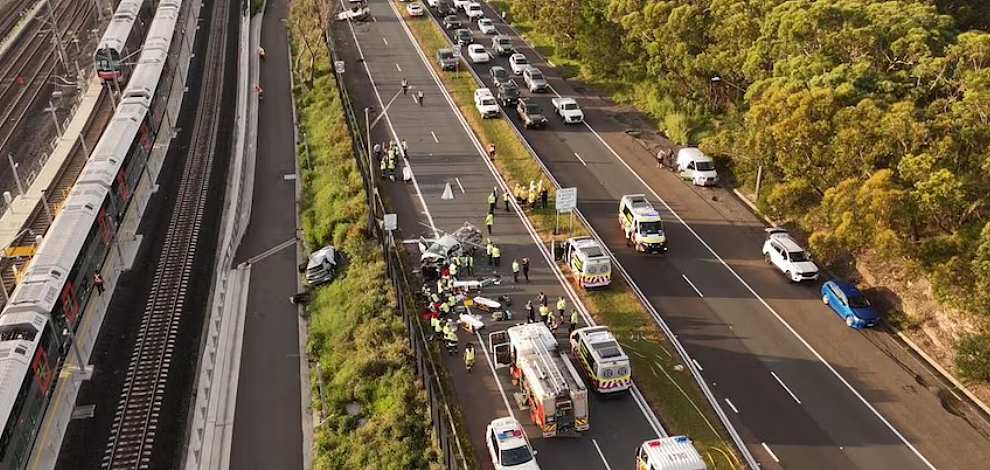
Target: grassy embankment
x: 673, y: 395
x: 376, y: 412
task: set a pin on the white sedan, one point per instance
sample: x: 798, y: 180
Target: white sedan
x: 415, y: 9
x: 518, y: 63
x: 478, y: 54
x: 486, y: 26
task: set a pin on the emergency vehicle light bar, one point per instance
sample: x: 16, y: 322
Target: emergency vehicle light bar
x: 509, y: 433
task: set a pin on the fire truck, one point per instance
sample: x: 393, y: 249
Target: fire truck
x: 550, y: 387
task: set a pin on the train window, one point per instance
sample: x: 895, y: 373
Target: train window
x: 12, y: 426
x: 70, y: 306
x: 105, y: 230
x: 20, y: 332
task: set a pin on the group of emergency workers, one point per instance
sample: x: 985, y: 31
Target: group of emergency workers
x: 387, y: 154
x: 548, y: 317
x: 441, y: 303
x: 528, y: 196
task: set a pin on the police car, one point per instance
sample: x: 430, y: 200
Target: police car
x: 508, y: 446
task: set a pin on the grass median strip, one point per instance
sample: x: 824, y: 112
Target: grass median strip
x: 375, y: 412
x: 672, y: 393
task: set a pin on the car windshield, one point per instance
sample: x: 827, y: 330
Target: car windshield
x: 705, y: 166
x: 516, y: 456
x: 446, y: 55
x: 451, y: 19
x: 570, y: 106
x: 504, y: 41
x: 532, y: 109
x: 520, y: 60
x: 798, y: 256
x: 535, y: 75
x: 651, y: 228
x: 488, y: 101
x: 858, y: 302
x: 486, y: 23
x: 499, y: 73
x: 510, y: 84
x: 509, y: 91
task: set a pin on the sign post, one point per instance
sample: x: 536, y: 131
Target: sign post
x: 457, y: 62
x: 339, y: 66
x: 566, y: 201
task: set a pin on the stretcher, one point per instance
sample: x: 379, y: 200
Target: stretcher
x: 470, y: 322
x: 485, y: 304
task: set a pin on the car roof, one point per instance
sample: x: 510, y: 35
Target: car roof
x: 517, y: 56
x: 503, y: 428
x: 485, y: 20
x: 476, y: 46
x: 785, y: 240
x: 846, y: 288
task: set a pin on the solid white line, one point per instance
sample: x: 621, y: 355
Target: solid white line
x: 398, y: 68
x: 388, y: 120
x: 772, y: 455
x: 648, y: 413
x: 459, y: 184
x: 581, y: 159
x: 781, y: 382
x: 491, y: 368
x: 435, y: 139
x: 385, y: 41
x: 601, y: 454
x: 732, y: 406
x: 762, y: 301
x: 701, y: 369
x: 693, y: 286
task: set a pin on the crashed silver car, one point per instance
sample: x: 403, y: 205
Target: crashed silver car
x: 322, y: 266
x: 436, y: 253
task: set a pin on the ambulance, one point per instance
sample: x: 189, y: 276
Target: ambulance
x: 591, y: 266
x: 669, y: 453
x: 549, y: 385
x: 602, y: 359
x: 641, y: 224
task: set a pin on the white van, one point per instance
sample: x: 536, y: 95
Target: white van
x: 696, y: 167
x: 669, y: 453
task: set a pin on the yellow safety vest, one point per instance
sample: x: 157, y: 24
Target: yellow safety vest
x: 561, y: 304
x: 515, y: 266
x: 491, y: 198
x: 496, y: 252
x: 469, y: 355
x: 574, y: 317
x: 489, y: 219
x: 451, y: 336
x: 544, y: 311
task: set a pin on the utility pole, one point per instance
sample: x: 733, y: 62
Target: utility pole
x: 17, y: 178
x: 62, y: 55
x: 51, y: 109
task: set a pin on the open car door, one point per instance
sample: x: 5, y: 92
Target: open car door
x: 498, y: 341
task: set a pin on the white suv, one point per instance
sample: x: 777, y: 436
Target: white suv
x: 783, y: 252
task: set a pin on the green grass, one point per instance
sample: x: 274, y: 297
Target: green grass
x: 354, y: 332
x: 673, y: 395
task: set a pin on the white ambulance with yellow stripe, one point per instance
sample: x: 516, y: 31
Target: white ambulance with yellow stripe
x: 587, y: 260
x: 641, y: 224
x: 669, y: 453
x: 602, y: 358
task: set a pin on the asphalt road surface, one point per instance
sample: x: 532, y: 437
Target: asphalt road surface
x: 811, y: 394
x: 268, y: 415
x: 442, y: 152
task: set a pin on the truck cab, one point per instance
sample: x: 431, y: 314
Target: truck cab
x: 484, y: 102
x: 669, y: 453
x: 568, y: 110
x: 591, y: 266
x: 696, y: 167
x: 641, y: 224
x: 602, y: 358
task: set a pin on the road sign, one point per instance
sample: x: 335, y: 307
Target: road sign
x: 566, y: 199
x: 339, y: 66
x: 448, y: 193
x: 391, y: 223
x: 457, y: 50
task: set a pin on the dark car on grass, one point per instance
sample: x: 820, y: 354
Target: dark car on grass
x: 446, y: 59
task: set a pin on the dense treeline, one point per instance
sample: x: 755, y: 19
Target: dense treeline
x: 870, y: 118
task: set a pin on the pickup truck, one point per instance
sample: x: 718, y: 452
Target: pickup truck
x: 530, y: 114
x: 484, y: 102
x: 568, y: 110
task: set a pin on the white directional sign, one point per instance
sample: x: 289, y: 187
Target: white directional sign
x: 391, y: 223
x: 566, y: 199
x: 448, y: 193
x: 457, y: 50
x: 339, y: 66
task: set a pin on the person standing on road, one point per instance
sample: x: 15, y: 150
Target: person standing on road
x: 378, y: 150
x: 530, y: 315
x: 561, y: 306
x: 490, y: 222
x: 468, y: 356
x: 419, y: 96
x: 544, y: 195
x: 405, y: 149
x: 497, y: 255
x: 515, y: 271
x: 261, y: 53
x: 505, y: 199
x: 491, y: 151
x: 98, y: 282
x: 492, y: 200
x: 405, y: 86
x: 573, y: 324
x: 488, y: 251
x: 542, y: 299
x: 469, y: 261
x: 525, y: 268
x: 545, y: 315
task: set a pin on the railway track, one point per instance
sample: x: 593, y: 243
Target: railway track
x: 138, y: 411
x: 10, y: 15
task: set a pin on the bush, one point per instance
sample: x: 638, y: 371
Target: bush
x: 973, y: 357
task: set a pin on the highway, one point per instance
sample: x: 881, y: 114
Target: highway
x: 805, y: 391
x: 443, y: 151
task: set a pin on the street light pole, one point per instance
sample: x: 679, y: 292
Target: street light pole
x: 51, y: 109
x: 17, y: 178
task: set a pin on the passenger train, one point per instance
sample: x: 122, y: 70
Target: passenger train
x: 34, y: 325
x: 121, y: 39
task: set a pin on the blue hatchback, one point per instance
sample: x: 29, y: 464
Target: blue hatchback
x: 847, y: 301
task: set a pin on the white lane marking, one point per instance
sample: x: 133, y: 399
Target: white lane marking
x: 693, y: 286
x: 698, y: 365
x: 388, y: 120
x: 581, y: 159
x: 459, y: 184
x: 762, y: 301
x: 385, y: 41
x: 648, y: 414
x: 435, y: 139
x: 772, y: 455
x: 398, y: 68
x: 732, y: 406
x: 491, y: 368
x: 781, y: 382
x: 601, y: 454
